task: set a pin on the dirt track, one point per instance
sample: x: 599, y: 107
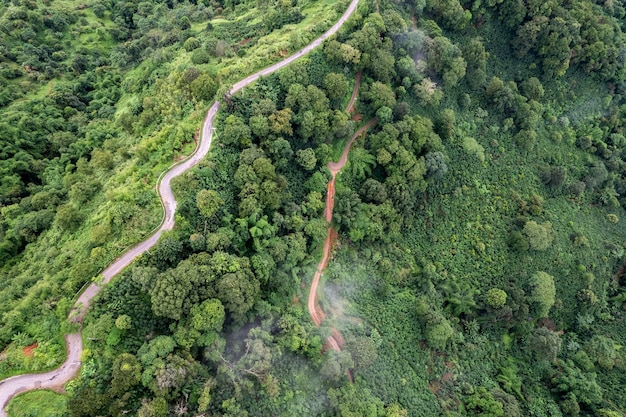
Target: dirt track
x: 335, y: 168
x: 57, y: 378
x: 335, y: 341
x: 355, y: 92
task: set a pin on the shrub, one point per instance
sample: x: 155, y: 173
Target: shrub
x: 200, y: 56
x: 191, y: 44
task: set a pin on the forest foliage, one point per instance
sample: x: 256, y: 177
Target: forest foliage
x: 480, y: 257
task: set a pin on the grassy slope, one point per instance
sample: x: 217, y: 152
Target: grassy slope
x: 38, y: 403
x: 46, y: 262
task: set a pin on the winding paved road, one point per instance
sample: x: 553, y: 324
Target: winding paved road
x: 57, y: 378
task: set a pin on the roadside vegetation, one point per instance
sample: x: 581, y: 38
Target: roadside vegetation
x: 39, y: 403
x: 480, y: 260
x: 97, y: 100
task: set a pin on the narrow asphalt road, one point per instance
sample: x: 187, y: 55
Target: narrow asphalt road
x: 57, y: 378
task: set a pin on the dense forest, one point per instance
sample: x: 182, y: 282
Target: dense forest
x: 479, y: 262
x: 114, y: 98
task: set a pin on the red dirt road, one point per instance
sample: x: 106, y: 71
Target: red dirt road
x: 316, y: 315
x: 335, y: 341
x: 335, y: 167
x: 355, y: 92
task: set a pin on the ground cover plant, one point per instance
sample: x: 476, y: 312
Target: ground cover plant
x: 478, y: 268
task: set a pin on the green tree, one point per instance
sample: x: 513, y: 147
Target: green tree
x: 156, y: 407
x: 169, y: 293
x: 259, y: 125
x: 381, y: 63
x: 99, y: 10
x: 166, y: 251
x: 455, y: 72
x: 380, y: 95
x: 69, y: 217
x: 191, y: 44
x: 496, y: 298
x: 336, y: 86
x: 280, y: 122
x: 208, y: 316
x: 438, y: 332
x: 476, y: 57
x: 361, y: 162
x: 208, y: 202
x: 123, y: 322
x: 336, y: 365
x: 306, y: 158
x: 451, y: 12
x: 353, y: 400
x: 583, y: 385
x: 236, y: 131
x: 384, y: 115
x: 204, y: 87
x: 436, y: 166
x: 545, y: 344
x: 532, y: 88
x: 126, y: 373
x: 540, y: 236
x: 200, y: 56
x: 542, y: 293
x: 525, y: 138
x: 603, y: 350
x: 482, y: 404
x: 184, y: 23
x: 395, y: 410
x: 373, y: 191
x: 570, y: 406
x: 238, y: 291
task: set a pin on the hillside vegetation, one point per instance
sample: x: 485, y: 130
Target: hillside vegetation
x: 97, y: 100
x: 480, y: 259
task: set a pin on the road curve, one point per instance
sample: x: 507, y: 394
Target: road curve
x: 54, y: 380
x: 57, y: 378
